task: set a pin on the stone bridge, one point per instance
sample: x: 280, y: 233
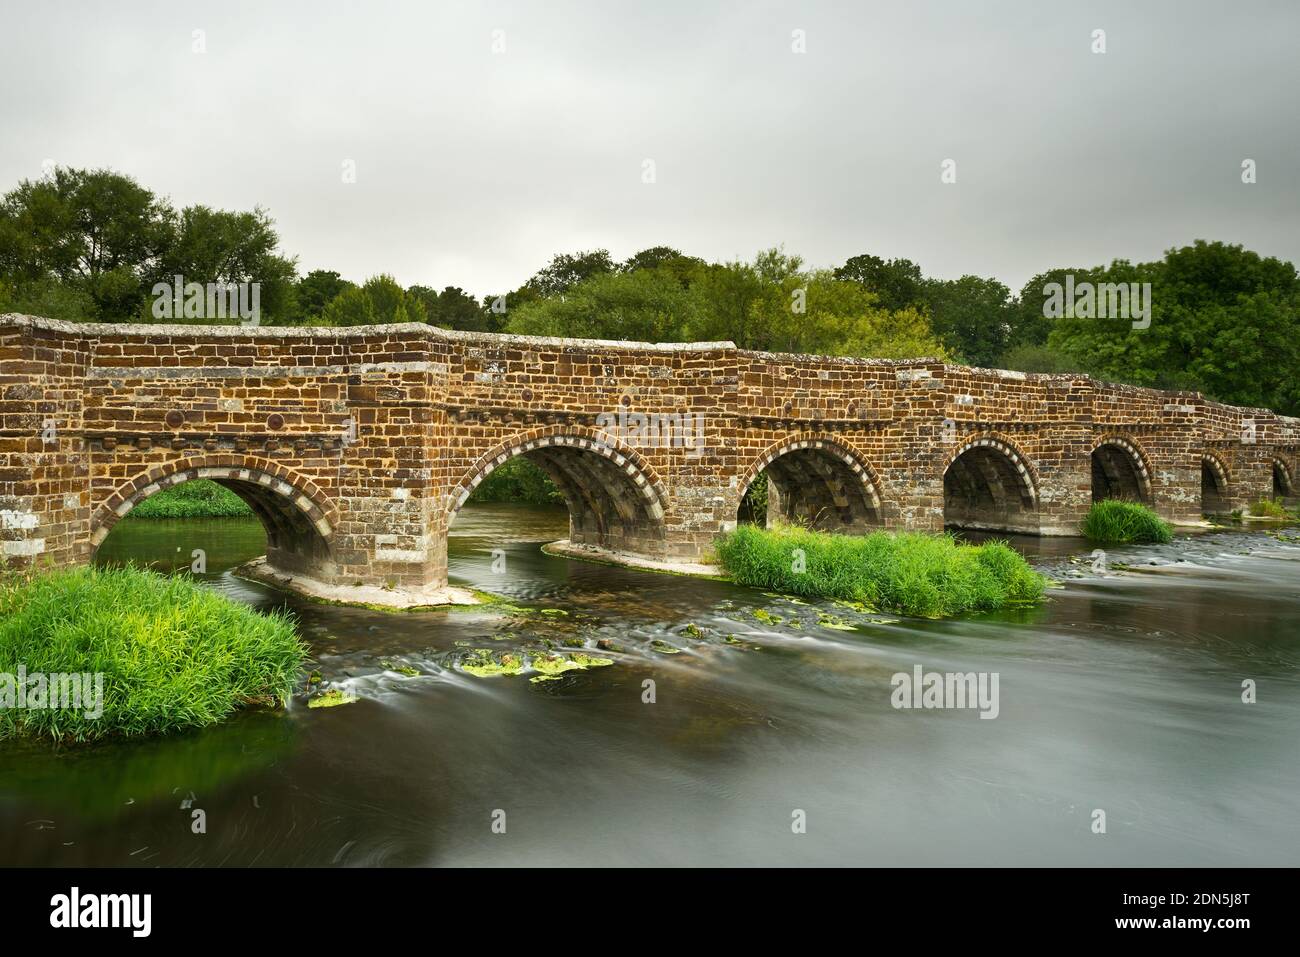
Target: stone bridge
x: 357, y: 447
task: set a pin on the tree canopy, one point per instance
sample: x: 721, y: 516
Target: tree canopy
x: 90, y: 245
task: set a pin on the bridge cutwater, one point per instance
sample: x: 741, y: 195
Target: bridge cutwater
x: 356, y: 447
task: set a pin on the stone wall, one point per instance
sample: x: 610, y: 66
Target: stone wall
x: 357, y: 447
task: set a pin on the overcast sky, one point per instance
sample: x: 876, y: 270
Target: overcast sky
x: 474, y: 167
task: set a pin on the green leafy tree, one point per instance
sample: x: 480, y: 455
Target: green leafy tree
x: 683, y: 267
x: 1223, y: 320
x: 649, y: 305
x: 457, y: 309
x: 47, y: 297
x: 774, y: 304
x: 318, y: 289
x: 897, y: 283
x: 567, y: 270
x: 106, y: 241
x: 221, y: 246
x: 730, y: 298
x: 1029, y: 324
x: 380, y: 300
x: 1028, y: 357
x: 95, y: 230
x: 973, y: 317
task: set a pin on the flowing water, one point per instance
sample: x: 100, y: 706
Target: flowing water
x: 1122, y: 693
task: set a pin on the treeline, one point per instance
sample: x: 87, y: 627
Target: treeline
x: 90, y: 245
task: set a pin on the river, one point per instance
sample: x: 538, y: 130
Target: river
x: 771, y: 738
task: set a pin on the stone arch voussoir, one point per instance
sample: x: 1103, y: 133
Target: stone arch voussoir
x: 295, y: 489
x: 1026, y: 472
x: 852, y: 458
x: 595, y: 441
x: 1137, y: 455
x: 1288, y: 476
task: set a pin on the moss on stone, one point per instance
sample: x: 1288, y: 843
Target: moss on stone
x: 331, y: 699
x: 834, y: 622
x: 484, y: 663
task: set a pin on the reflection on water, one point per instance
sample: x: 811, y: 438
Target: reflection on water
x: 1122, y: 692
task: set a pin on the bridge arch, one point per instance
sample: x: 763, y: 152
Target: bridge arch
x: 1283, y: 480
x: 819, y: 481
x: 1216, y: 498
x: 615, y: 499
x: 298, y: 516
x: 1120, y: 470
x: 989, y: 483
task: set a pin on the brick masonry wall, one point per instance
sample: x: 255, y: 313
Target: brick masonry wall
x: 357, y: 446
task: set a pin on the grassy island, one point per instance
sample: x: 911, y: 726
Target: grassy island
x: 165, y: 654
x: 908, y: 572
x: 1114, y: 522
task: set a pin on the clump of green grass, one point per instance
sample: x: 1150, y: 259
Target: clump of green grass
x: 1117, y: 522
x: 197, y: 498
x: 173, y: 655
x: 1269, y: 508
x: 909, y: 572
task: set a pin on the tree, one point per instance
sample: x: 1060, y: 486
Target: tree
x: 318, y: 289
x: 207, y: 245
x: 457, y: 309
x: 567, y: 270
x: 683, y: 267
x: 380, y: 300
x: 973, y: 317
x: 454, y: 308
x: 106, y: 240
x: 649, y: 305
x: 728, y: 295
x: 1029, y: 357
x: 47, y: 297
x: 96, y: 230
x: 1028, y: 322
x: 498, y: 309
x: 897, y: 282
x: 1223, y: 320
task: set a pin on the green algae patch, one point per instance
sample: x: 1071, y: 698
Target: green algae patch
x: 332, y: 699
x: 554, y: 664
x: 591, y: 661
x: 551, y: 665
x: 484, y: 663
x: 834, y: 622
x: 401, y: 669
x: 765, y: 616
x: 664, y: 648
